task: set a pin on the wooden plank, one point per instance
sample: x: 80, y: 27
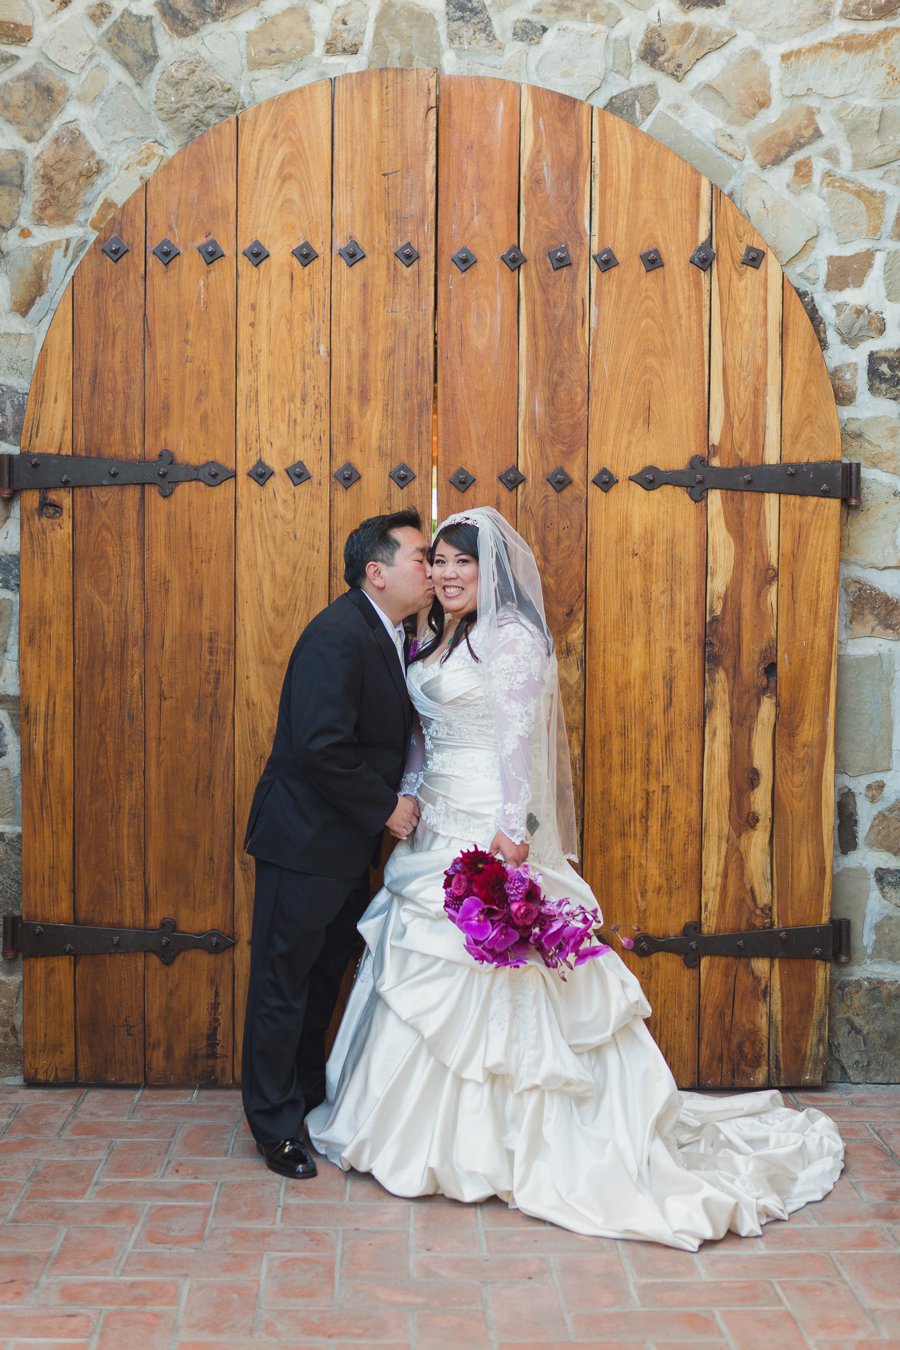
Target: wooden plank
x: 742, y: 569
x: 283, y: 415
x: 555, y: 195
x: 108, y: 420
x: 190, y: 609
x: 809, y: 548
x: 478, y: 189
x: 647, y: 563
x: 382, y: 311
x: 47, y: 692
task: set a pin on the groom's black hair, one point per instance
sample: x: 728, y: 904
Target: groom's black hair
x: 372, y: 541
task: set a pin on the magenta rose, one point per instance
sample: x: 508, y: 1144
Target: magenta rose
x: 524, y: 913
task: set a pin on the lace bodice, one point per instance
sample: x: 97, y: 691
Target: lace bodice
x: 470, y: 760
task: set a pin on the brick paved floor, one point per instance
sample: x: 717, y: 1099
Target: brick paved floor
x: 138, y: 1219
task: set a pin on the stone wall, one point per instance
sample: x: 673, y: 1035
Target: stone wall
x: 790, y: 105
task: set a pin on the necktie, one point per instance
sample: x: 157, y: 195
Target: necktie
x: 399, y: 643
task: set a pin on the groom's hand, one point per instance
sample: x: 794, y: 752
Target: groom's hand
x: 404, y: 818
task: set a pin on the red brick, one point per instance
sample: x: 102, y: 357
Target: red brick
x: 24, y: 1237
x: 869, y: 1160
x: 643, y: 1326
x: 775, y: 1329
x: 77, y: 1212
x: 154, y: 1190
x: 833, y: 1238
x: 307, y: 1280
x: 878, y: 1188
x: 494, y: 1214
x: 120, y: 1130
x: 204, y: 1141
x: 362, y: 1186
x: 538, y: 1238
x: 346, y: 1215
x: 371, y: 1255
x: 874, y: 1278
x: 531, y: 1311
x: 38, y: 1119
x: 438, y: 1330
x: 768, y: 1266
x: 174, y: 1226
x: 113, y: 1293
x: 360, y: 1295
x: 330, y: 1184
x: 31, y: 1146
x: 19, y: 1095
x: 261, y: 1239
x: 203, y: 1265
x: 32, y: 1323
x: 106, y: 1103
x: 486, y: 1269
x: 246, y: 1202
x: 708, y: 1294
x: 859, y: 1211
x: 137, y: 1329
x: 358, y: 1328
x: 218, y: 1169
x: 91, y: 1251
x: 57, y: 1180
x: 216, y: 1308
x: 19, y: 1275
x: 10, y: 1194
x: 826, y: 1309
x: 144, y: 1159
x: 650, y: 1261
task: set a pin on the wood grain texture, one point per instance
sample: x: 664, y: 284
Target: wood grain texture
x: 108, y: 420
x: 382, y: 317
x: 742, y: 569
x: 647, y: 564
x: 555, y: 196
x: 47, y: 693
x: 283, y: 415
x: 804, y: 734
x: 477, y: 361
x: 190, y: 609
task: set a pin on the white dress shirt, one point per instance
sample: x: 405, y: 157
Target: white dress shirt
x: 396, y: 631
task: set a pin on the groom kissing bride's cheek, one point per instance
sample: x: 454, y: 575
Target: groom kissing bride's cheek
x: 492, y: 1045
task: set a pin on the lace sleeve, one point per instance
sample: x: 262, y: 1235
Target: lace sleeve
x: 515, y: 686
x: 415, y: 762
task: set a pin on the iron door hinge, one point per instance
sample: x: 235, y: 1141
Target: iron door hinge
x: 21, y: 473
x: 812, y: 942
x: 26, y: 937
x: 836, y: 478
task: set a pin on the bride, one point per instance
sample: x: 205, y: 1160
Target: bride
x: 472, y: 1080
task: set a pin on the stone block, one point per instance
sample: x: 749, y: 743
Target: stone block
x: 740, y: 91
x: 857, y: 323
x: 847, y: 820
x: 856, y: 210
x: 869, y: 534
x: 8, y: 806
x: 31, y: 100
x: 892, y: 276
x: 348, y: 29
x: 777, y: 21
x: 120, y: 119
x: 10, y: 1022
x: 69, y: 45
x: 866, y: 63
x: 131, y: 40
x: 729, y: 144
x: 93, y: 84
x: 864, y: 728
x: 99, y: 12
x: 874, y: 441
x: 620, y: 57
x: 579, y: 11
x: 808, y: 300
x: 31, y: 269
x: 675, y: 48
x: 12, y: 414
x: 16, y: 22
x: 285, y: 38
x: 846, y: 271
x: 469, y: 26
x: 191, y: 97
x: 12, y: 179
x: 871, y: 612
x: 137, y: 167
x: 63, y: 173
x: 527, y: 31
x: 673, y: 133
x: 873, y: 134
x: 573, y: 59
x: 883, y: 373
x: 864, y: 1030
x: 793, y: 131
x: 9, y: 572
x: 802, y: 175
x: 634, y: 105
x: 886, y: 939
x: 874, y: 792
x: 869, y: 9
x: 887, y: 879
x: 884, y: 832
x: 850, y: 900
x: 782, y: 224
x: 405, y: 35
x: 185, y: 17
x: 844, y: 383
x: 10, y: 872
x: 17, y: 356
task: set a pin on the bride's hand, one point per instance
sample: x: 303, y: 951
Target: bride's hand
x: 514, y: 854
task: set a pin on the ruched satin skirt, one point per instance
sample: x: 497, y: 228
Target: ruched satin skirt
x: 455, y: 1078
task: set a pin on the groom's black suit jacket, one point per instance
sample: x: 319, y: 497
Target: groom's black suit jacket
x: 344, y: 723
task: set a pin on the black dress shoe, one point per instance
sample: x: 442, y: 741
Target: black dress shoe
x: 289, y: 1157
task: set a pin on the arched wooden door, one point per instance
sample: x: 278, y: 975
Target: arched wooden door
x: 300, y: 296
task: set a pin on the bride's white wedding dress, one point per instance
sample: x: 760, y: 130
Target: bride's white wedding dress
x: 472, y: 1081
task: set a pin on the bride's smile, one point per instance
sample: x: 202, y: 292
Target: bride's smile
x: 455, y: 578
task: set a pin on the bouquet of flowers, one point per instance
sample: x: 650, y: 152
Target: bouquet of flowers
x: 505, y: 916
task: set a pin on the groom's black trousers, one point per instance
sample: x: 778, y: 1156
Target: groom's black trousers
x: 304, y: 933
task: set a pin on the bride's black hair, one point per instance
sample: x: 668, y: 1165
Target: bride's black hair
x: 464, y: 538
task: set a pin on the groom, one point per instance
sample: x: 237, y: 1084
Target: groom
x: 328, y: 790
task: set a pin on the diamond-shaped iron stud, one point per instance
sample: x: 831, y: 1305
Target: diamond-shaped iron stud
x: 605, y: 479
x: 210, y: 252
x: 305, y: 253
x: 402, y: 475
x: 298, y: 473
x: 347, y: 475
x: 605, y: 259
x: 651, y: 259
x: 511, y: 477
x: 513, y: 257
x: 261, y: 472
x: 558, y: 479
x: 352, y: 253
x: 407, y: 253
x: 256, y: 252
x: 753, y: 256
x: 462, y: 479
x: 166, y: 251
x: 559, y: 257
x: 464, y: 259
x: 702, y: 257
x: 114, y: 248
